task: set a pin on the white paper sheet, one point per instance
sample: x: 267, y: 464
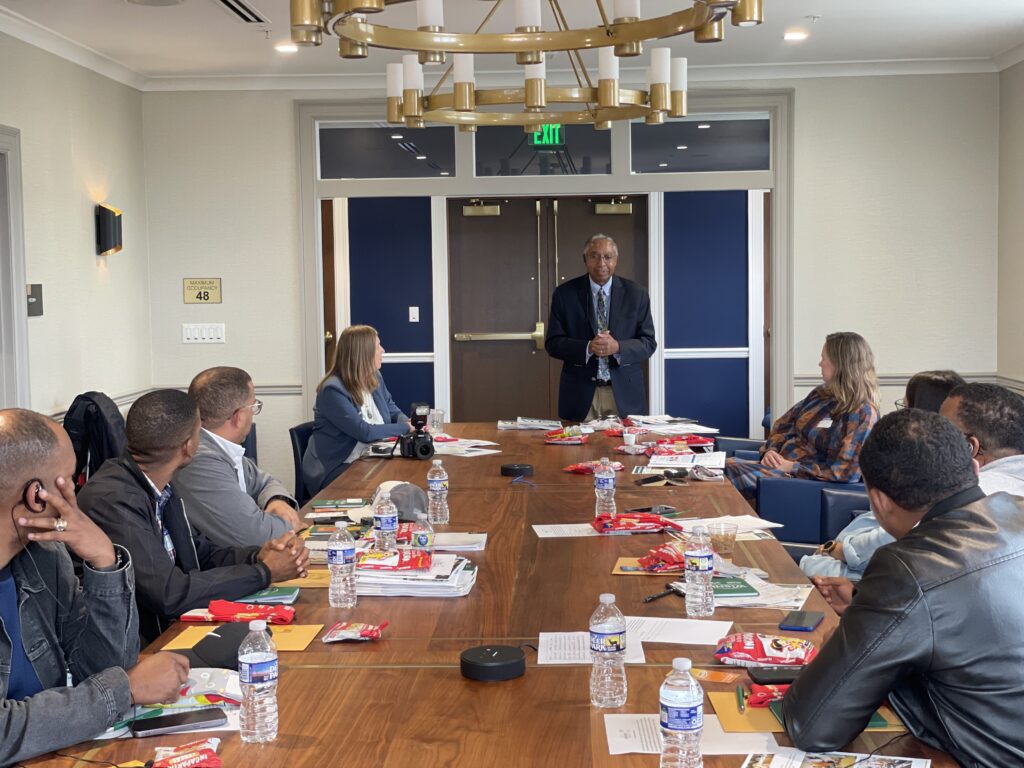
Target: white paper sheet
x: 574, y: 648
x: 680, y: 631
x: 793, y: 758
x: 565, y: 530
x: 641, y: 734
x: 677, y: 460
x: 742, y: 522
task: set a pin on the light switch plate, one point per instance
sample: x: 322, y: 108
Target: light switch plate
x: 202, y: 333
x: 414, y: 314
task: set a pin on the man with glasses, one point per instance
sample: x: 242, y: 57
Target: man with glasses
x: 600, y: 327
x: 227, y: 496
x: 992, y: 420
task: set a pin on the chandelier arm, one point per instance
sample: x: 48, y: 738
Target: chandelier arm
x: 451, y: 66
x: 604, y: 17
x: 563, y: 24
x: 670, y: 25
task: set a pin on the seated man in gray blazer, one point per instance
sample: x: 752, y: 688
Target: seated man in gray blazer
x: 227, y: 496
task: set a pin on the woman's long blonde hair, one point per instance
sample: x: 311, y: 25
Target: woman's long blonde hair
x: 854, y: 381
x: 353, y: 363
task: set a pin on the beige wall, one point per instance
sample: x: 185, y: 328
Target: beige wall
x: 81, y: 143
x: 223, y: 201
x: 1011, y: 222
x: 895, y: 219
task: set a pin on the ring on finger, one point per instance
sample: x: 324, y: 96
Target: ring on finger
x: 60, y: 525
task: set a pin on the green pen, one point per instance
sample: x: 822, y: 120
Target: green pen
x: 741, y: 699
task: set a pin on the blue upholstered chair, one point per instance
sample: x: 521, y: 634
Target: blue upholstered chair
x: 300, y: 435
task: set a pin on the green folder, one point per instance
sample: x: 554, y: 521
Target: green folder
x: 732, y: 586
x: 876, y: 721
x: 273, y: 596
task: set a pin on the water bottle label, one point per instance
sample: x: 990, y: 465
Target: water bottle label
x: 700, y: 563
x: 682, y: 718
x: 437, y: 484
x: 422, y: 540
x: 386, y: 523
x: 605, y: 483
x: 608, y: 642
x: 257, y: 672
x: 341, y: 555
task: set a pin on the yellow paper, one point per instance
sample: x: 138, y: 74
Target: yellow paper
x: 288, y: 637
x: 761, y: 720
x: 318, y: 578
x: 634, y: 563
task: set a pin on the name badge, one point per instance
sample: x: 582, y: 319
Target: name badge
x: 824, y: 424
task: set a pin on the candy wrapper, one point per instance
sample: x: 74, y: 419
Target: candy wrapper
x: 617, y: 431
x: 751, y: 649
x: 354, y: 631
x: 763, y: 695
x: 633, y: 522
x: 588, y: 467
x: 195, y: 754
x: 400, y: 560
x: 224, y: 610
x: 665, y: 558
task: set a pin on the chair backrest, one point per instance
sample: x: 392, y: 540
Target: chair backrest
x: 839, y: 508
x: 300, y: 435
x: 249, y: 445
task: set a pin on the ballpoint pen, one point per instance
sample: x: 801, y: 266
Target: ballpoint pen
x: 741, y: 699
x: 658, y: 595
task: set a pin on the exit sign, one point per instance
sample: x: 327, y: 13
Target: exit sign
x: 548, y: 136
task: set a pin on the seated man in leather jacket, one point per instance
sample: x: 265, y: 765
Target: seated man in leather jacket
x: 936, y: 623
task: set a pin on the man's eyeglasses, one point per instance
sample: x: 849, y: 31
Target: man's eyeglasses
x: 257, y: 406
x: 901, y: 403
x: 609, y: 257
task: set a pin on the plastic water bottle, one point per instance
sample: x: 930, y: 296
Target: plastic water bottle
x: 422, y: 534
x: 608, y: 649
x: 385, y: 523
x: 604, y: 489
x: 437, y: 494
x: 341, y: 561
x: 682, y: 718
x: 257, y: 674
x: 700, y: 564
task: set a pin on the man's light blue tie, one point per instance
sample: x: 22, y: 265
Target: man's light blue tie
x: 602, y: 325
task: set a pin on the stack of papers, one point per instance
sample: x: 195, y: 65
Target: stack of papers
x: 464, y: 447
x: 460, y: 542
x: 785, y: 597
x: 670, y: 425
x: 574, y: 648
x: 526, y: 423
x: 641, y: 734
x: 676, y: 460
x: 783, y: 757
x: 448, y: 576
x: 742, y: 522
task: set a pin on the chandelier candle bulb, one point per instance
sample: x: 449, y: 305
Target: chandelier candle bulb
x: 412, y: 90
x: 625, y: 12
x: 608, y: 78
x: 678, y: 105
x: 412, y: 73
x: 464, y: 68
x: 305, y: 14
x: 535, y: 96
x: 394, y: 93
x: 464, y: 100
x: 527, y: 14
x: 429, y: 13
x: 661, y: 65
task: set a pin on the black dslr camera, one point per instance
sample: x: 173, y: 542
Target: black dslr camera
x: 418, y: 444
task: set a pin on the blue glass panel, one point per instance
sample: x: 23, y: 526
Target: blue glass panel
x: 390, y: 271
x: 712, y: 391
x: 705, y: 269
x: 409, y: 383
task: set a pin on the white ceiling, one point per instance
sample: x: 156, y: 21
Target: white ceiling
x: 199, y: 38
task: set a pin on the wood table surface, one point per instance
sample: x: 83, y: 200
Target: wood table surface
x: 401, y: 700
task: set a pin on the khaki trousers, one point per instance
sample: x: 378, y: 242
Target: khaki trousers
x: 603, y: 405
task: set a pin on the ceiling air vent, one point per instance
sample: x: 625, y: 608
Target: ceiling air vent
x: 242, y: 11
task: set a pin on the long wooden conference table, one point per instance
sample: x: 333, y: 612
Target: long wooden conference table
x: 401, y: 701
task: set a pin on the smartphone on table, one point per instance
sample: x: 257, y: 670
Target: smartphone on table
x: 801, y: 621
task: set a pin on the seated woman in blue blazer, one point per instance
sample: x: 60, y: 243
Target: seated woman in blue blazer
x: 353, y: 408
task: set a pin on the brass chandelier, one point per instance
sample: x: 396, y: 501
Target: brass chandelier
x: 620, y: 36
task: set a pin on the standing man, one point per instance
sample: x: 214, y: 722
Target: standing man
x: 601, y: 329
x: 231, y: 500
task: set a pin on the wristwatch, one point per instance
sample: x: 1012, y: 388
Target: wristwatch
x: 828, y: 546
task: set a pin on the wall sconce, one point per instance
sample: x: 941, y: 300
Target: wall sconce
x: 108, y: 230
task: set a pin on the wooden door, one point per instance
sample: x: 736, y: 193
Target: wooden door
x: 327, y: 262
x: 502, y: 270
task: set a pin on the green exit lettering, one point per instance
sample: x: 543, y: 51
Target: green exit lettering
x: 548, y: 136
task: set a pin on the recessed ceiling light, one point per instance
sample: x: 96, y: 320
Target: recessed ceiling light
x: 682, y: 146
x: 421, y: 157
x: 445, y: 173
x: 396, y: 136
x: 794, y: 35
x: 286, y: 48
x: 663, y: 165
x: 703, y: 126
x: 155, y: 2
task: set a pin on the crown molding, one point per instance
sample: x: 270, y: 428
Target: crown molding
x: 20, y: 28
x: 1007, y: 59
x: 901, y: 379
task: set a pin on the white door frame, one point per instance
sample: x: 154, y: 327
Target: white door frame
x: 14, y: 381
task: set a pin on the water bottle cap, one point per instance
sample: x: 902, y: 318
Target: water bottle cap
x: 437, y: 462
x: 700, y: 529
x: 257, y: 625
x: 604, y: 460
x: 385, y: 494
x: 341, y: 525
x: 607, y: 598
x: 681, y: 665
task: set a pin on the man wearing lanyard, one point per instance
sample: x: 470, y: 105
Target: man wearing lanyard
x: 600, y: 327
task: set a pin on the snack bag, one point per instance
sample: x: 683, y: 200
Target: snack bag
x: 345, y: 631
x: 225, y: 610
x: 565, y: 436
x: 763, y: 695
x: 400, y: 560
x: 588, y: 467
x: 195, y: 754
x: 668, y: 557
x: 752, y: 649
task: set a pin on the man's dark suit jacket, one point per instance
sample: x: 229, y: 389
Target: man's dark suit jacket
x: 571, y: 327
